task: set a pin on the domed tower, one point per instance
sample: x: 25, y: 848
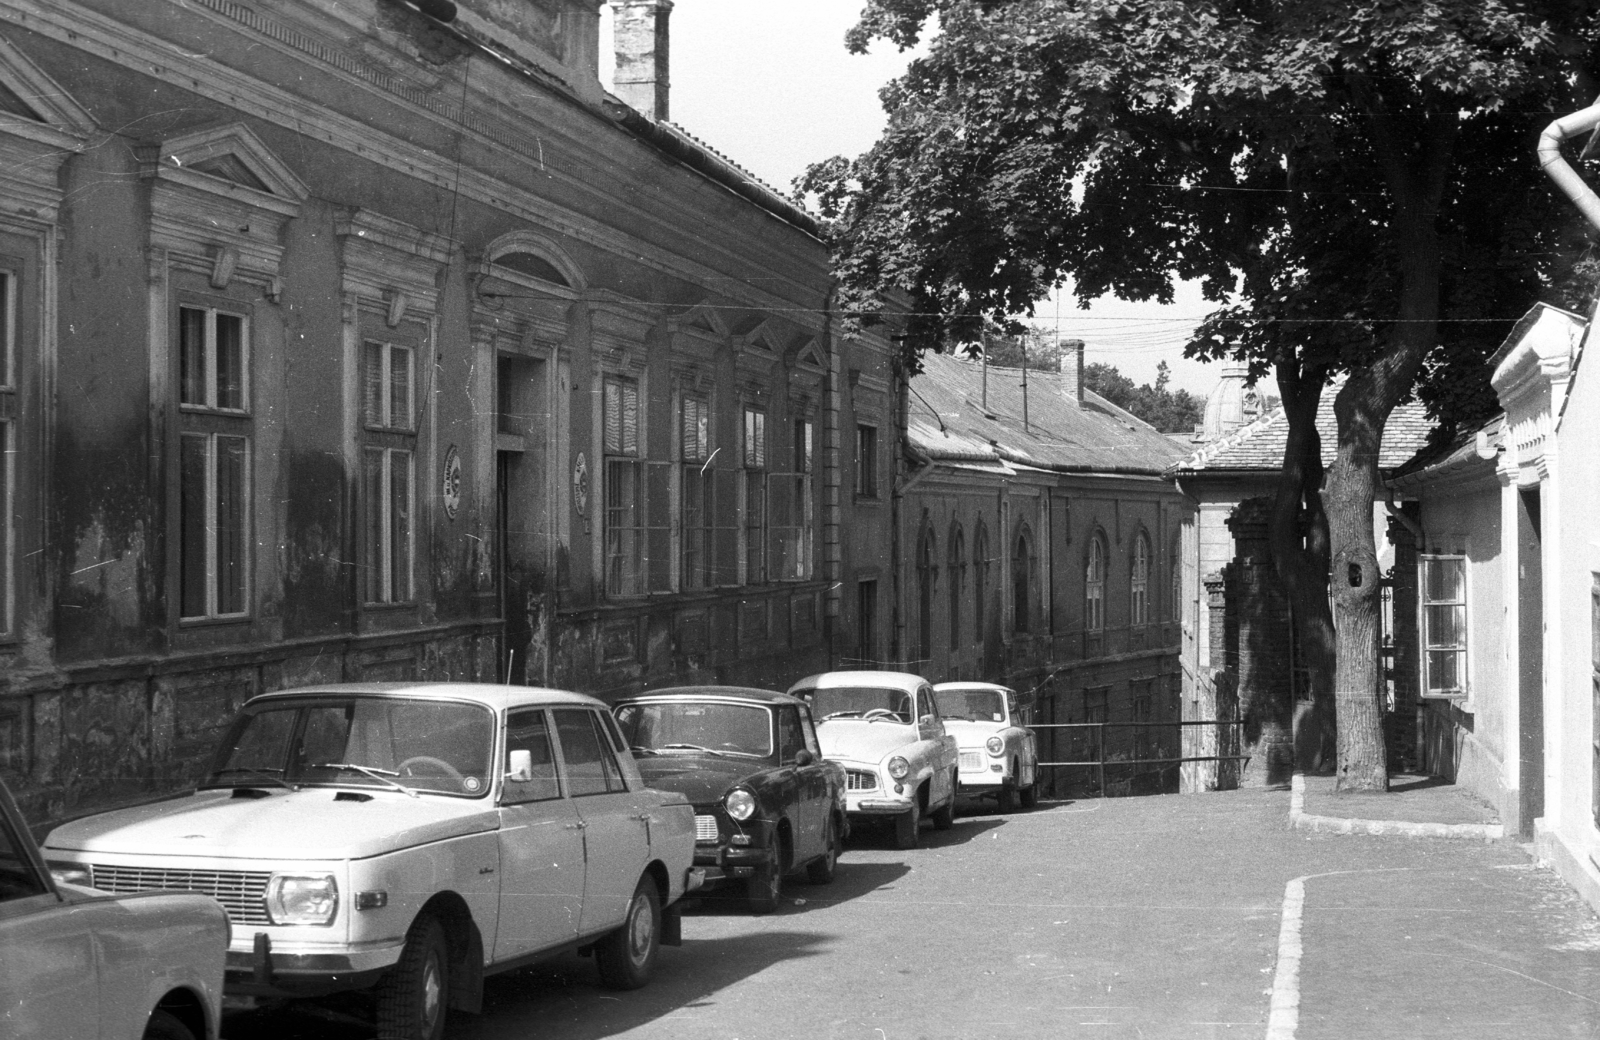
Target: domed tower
x: 1232, y: 404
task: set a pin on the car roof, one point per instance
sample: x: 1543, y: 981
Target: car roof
x: 491, y: 695
x: 891, y: 680
x: 740, y: 693
x: 972, y: 686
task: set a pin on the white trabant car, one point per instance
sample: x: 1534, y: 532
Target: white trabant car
x: 410, y: 839
x: 884, y: 728
x: 79, y: 963
x: 999, y: 754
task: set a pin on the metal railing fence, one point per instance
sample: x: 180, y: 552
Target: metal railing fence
x: 1133, y: 763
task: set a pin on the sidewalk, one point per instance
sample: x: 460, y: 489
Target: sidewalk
x: 1415, y: 806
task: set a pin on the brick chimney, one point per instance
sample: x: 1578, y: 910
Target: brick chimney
x: 639, y: 37
x: 1072, y: 369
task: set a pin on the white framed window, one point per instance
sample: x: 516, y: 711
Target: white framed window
x: 624, y: 489
x: 1139, y: 583
x: 1094, y: 586
x: 214, y: 490
x: 697, y: 483
x: 388, y: 473
x: 753, y: 459
x: 1443, y: 602
x: 793, y: 509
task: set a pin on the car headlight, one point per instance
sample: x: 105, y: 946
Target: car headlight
x: 899, y: 767
x: 995, y: 745
x: 71, y: 873
x: 741, y: 804
x: 302, y: 899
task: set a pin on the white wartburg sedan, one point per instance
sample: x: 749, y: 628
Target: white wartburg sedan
x: 999, y: 755
x: 79, y: 963
x: 885, y: 729
x: 411, y: 839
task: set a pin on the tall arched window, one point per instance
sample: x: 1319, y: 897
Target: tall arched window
x: 1139, y: 583
x: 925, y: 576
x: 957, y: 566
x: 1094, y: 585
x: 980, y: 580
x: 1021, y: 580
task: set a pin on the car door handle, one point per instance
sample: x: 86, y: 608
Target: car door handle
x: 646, y: 817
x: 576, y: 826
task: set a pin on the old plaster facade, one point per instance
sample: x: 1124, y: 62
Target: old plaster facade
x: 342, y: 342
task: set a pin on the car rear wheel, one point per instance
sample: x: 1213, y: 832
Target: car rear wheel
x: 627, y: 957
x: 163, y: 1026
x: 820, y: 870
x: 906, y: 826
x: 413, y: 999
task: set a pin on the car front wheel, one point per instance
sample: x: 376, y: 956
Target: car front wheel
x: 945, y: 818
x: 906, y: 826
x: 1029, y: 795
x: 1006, y: 799
x: 627, y: 957
x: 413, y: 998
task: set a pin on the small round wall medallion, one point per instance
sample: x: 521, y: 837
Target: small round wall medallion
x: 580, y: 484
x: 451, y: 487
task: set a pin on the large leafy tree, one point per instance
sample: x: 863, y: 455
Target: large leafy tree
x: 1352, y: 181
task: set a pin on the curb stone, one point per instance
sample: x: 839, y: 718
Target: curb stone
x: 1301, y: 820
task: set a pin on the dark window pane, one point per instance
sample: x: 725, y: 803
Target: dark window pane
x: 230, y: 362
x: 193, y: 451
x: 191, y: 356
x: 400, y: 388
x: 372, y: 534
x: 372, y: 384
x: 231, y: 523
x: 400, y: 525
x: 581, y: 749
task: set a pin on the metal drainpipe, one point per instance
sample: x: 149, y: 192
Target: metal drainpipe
x: 1559, y: 170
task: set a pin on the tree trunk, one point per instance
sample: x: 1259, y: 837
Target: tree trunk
x: 1299, y: 539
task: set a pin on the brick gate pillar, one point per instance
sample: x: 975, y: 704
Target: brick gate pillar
x: 1265, y: 653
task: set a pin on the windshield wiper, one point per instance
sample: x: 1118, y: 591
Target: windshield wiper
x: 372, y: 772
x: 263, y: 772
x: 641, y: 747
x: 842, y: 715
x: 696, y: 747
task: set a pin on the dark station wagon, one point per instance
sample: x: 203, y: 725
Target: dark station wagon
x: 766, y: 802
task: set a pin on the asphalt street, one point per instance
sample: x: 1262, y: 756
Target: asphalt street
x: 1134, y: 917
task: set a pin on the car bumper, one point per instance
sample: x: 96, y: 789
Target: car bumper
x: 984, y: 783
x: 878, y: 804
x: 722, y: 863
x: 262, y: 971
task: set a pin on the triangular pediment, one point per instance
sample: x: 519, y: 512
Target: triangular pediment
x: 809, y: 355
x: 231, y: 153
x: 29, y: 96
x: 704, y: 317
x: 765, y: 339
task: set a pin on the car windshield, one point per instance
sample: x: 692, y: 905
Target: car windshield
x: 860, y: 702
x: 690, y: 727
x: 399, y: 744
x: 972, y: 705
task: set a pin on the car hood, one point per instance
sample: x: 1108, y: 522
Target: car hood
x: 303, y: 824
x: 862, y: 741
x: 972, y: 734
x: 702, y: 779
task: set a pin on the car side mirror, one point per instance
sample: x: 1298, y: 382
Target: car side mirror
x: 803, y: 757
x: 926, y: 720
x: 519, y: 765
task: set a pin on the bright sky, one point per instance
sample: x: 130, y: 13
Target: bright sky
x: 770, y: 85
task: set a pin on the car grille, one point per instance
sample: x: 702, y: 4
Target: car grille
x: 972, y: 762
x: 860, y: 780
x: 241, y: 893
x: 705, y: 828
